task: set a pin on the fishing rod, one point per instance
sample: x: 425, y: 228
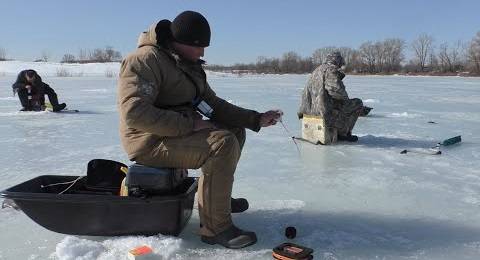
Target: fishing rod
x: 435, y: 150
x: 280, y: 112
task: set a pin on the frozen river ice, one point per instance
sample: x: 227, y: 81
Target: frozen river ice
x: 347, y: 201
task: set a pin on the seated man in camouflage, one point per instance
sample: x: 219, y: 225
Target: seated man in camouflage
x: 325, y: 96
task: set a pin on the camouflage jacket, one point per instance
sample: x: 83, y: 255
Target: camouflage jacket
x: 324, y: 89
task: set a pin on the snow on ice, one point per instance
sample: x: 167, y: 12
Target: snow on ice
x: 347, y: 201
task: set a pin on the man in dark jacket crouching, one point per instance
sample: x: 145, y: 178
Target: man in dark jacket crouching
x: 32, y: 90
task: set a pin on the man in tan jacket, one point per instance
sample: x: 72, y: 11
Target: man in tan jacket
x: 164, y: 97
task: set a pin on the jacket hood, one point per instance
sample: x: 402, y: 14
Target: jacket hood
x: 158, y: 34
x: 148, y: 37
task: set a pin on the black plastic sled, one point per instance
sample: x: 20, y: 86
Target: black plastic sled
x: 80, y: 210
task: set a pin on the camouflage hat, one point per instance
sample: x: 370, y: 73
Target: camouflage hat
x: 335, y: 58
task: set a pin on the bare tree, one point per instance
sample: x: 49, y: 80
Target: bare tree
x: 355, y: 62
x: 474, y: 53
x: 393, y: 49
x: 306, y: 65
x: 290, y: 62
x: 346, y: 53
x: 444, y: 60
x: 317, y: 57
x: 422, y: 46
x: 267, y: 65
x: 459, y: 55
x: 109, y: 53
x: 112, y: 55
x: 368, y: 54
x: 68, y: 58
x: 262, y: 64
x: 82, y: 55
x: 451, y: 59
x: 275, y: 65
x: 380, y: 55
x: 45, y: 56
x: 433, y: 61
x: 3, y: 54
x: 98, y: 55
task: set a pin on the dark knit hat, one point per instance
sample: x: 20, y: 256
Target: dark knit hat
x: 30, y: 73
x: 191, y: 28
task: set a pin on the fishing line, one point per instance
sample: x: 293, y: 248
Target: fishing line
x: 290, y: 135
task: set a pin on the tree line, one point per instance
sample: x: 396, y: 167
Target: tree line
x: 107, y: 54
x: 380, y: 57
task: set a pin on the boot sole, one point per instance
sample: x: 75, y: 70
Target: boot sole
x: 211, y: 241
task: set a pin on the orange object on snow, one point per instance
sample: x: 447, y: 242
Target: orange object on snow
x: 142, y: 252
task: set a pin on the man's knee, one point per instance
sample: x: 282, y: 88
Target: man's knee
x: 240, y: 134
x: 351, y: 107
x: 225, y: 143
x: 224, y: 155
x: 356, y: 102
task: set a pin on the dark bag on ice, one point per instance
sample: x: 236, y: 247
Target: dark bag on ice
x: 105, y: 175
x: 144, y: 181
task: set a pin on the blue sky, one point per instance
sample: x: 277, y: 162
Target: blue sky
x: 241, y: 30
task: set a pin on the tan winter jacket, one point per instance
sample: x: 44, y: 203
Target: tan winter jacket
x: 155, y: 94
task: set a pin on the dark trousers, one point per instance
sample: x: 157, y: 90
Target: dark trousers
x: 38, y: 99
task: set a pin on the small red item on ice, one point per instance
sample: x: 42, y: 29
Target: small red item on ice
x: 139, y: 252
